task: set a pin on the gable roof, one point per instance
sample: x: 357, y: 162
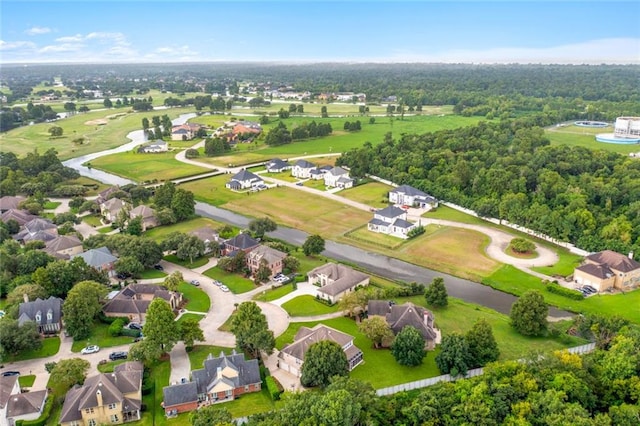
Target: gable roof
x: 242, y: 241
x: 20, y: 216
x: 267, y: 253
x: 142, y: 211
x: 304, y: 164
x: 343, y: 277
x: 400, y: 316
x: 180, y: 394
x: 96, y: 257
x: 114, y: 204
x: 337, y: 171
x: 390, y: 212
x: 245, y: 372
x: 27, y: 310
x: 409, y: 190
x: 305, y: 337
x: 63, y: 242
x: 9, y: 202
x: 614, y: 260
x: 129, y: 300
x: 26, y: 403
x: 277, y: 163
x: 401, y: 223
x: 245, y: 175
x: 7, y: 383
x: 596, y: 270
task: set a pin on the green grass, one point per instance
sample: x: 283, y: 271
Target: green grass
x: 362, y: 234
x: 514, y: 281
x: 198, y: 299
x: 109, y: 366
x: 567, y: 262
x: 447, y: 213
x: 236, y: 283
x: 373, y: 194
x: 248, y: 404
x: 100, y: 336
x: 92, y: 220
x: 274, y: 294
x: 158, y: 234
x: 201, y: 261
x: 105, y: 230
x: 316, y: 184
x: 50, y: 346
x: 51, y: 205
x: 189, y: 315
x: 142, y: 167
x: 27, y: 381
x: 306, y: 306
x: 285, y: 176
x: 582, y: 136
x: 149, y: 274
x: 212, y: 191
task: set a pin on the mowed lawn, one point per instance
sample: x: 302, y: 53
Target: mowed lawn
x: 159, y: 233
x: 97, y: 137
x: 236, y: 283
x: 584, y: 136
x: 307, y: 306
x: 212, y: 191
x: 300, y: 210
x: 373, y: 194
x: 145, y: 167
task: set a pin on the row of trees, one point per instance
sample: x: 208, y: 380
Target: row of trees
x: 280, y: 135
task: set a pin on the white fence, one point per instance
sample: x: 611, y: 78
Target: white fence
x: 419, y: 384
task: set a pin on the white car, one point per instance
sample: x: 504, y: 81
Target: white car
x: 224, y: 288
x: 91, y: 349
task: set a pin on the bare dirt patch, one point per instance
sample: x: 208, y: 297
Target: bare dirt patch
x: 97, y: 122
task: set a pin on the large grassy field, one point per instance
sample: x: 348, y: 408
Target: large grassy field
x: 307, y: 306
x: 236, y: 283
x: 145, y: 167
x: 373, y: 194
x: 118, y: 123
x: 212, y: 191
x: 160, y: 233
x: 584, y: 136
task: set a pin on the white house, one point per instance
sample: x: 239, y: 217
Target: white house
x: 406, y: 195
x: 16, y: 405
x: 277, y: 165
x: 335, y: 280
x: 302, y: 169
x: 155, y: 146
x: 244, y: 179
x: 391, y: 220
x: 337, y: 177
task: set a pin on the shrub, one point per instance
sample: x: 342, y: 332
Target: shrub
x: 418, y: 230
x: 191, y: 153
x: 129, y: 332
x: 520, y: 245
x: 273, y: 387
x: 563, y: 291
x: 116, y: 327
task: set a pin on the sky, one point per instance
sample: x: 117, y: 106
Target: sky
x: 164, y: 31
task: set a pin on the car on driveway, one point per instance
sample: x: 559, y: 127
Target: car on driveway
x: 10, y: 373
x: 216, y: 282
x: 589, y: 288
x: 299, y: 183
x: 224, y: 288
x: 134, y: 326
x: 91, y: 349
x: 195, y: 282
x: 158, y: 267
x: 113, y: 356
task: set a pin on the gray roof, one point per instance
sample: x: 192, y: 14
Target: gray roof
x: 129, y: 300
x: 390, y: 212
x: 179, y: 394
x: 337, y: 171
x: 242, y: 242
x: 400, y: 316
x: 63, y: 242
x: 245, y: 175
x: 304, y: 164
x: 6, y: 386
x: 409, y: 190
x: 277, y: 164
x: 248, y: 372
x: 344, y: 179
x: 142, y: 211
x: 305, y: 337
x: 401, y: 223
x: 267, y: 253
x: 10, y: 202
x: 378, y: 222
x: 20, y: 216
x: 343, y: 277
x: 205, y: 233
x: 26, y: 403
x: 29, y: 310
x: 37, y: 235
x: 97, y: 257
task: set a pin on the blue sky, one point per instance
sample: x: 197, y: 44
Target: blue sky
x: 308, y: 31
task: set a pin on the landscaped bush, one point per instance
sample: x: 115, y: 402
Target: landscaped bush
x: 129, y: 332
x: 116, y: 327
x: 274, y: 387
x: 520, y: 245
x: 418, y: 230
x: 109, y: 320
x: 563, y: 291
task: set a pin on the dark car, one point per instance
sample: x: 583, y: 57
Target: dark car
x: 158, y: 267
x: 10, y: 373
x: 113, y: 356
x: 135, y: 326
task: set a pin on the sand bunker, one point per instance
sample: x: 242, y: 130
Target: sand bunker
x: 98, y: 122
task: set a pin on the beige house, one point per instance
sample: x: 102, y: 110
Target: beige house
x: 291, y: 357
x: 407, y: 314
x: 335, y: 280
x: 271, y: 256
x: 64, y: 246
x: 147, y: 214
x: 608, y: 269
x: 111, y: 208
x: 112, y: 398
x: 134, y: 300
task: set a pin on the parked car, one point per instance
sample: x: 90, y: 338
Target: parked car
x: 91, y: 349
x: 216, y: 282
x: 299, y: 183
x: 195, y: 282
x: 134, y: 326
x: 137, y: 339
x: 2, y: 313
x: 159, y: 267
x: 224, y: 288
x: 113, y: 356
x: 10, y: 373
x: 590, y: 288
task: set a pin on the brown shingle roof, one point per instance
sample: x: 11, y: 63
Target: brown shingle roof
x: 600, y: 271
x: 26, y: 403
x: 342, y: 276
x: 614, y: 260
x: 305, y: 337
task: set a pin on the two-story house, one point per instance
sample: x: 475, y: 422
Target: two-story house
x: 99, y: 258
x: 407, y: 314
x: 277, y: 165
x: 133, y: 301
x: 271, y: 257
x: 64, y: 246
x: 111, y: 208
x: 47, y: 314
x: 291, y: 357
x: 406, y: 195
x: 37, y: 229
x: 302, y: 169
x: 608, y: 269
x: 244, y: 179
x: 108, y: 398
x: 391, y: 220
x: 241, y: 242
x: 335, y: 280
x: 146, y: 214
x: 337, y: 177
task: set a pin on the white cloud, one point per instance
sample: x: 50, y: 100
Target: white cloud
x: 184, y: 51
x: 15, y: 45
x: 37, y: 30
x: 70, y: 39
x: 64, y: 47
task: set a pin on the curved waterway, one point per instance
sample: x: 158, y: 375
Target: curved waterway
x: 378, y: 264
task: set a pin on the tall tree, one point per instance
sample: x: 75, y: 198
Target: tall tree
x: 314, y: 244
x: 32, y: 291
x: 191, y: 247
x: 183, y: 204
x: 377, y: 329
x: 16, y: 338
x: 483, y: 347
x: 160, y: 328
x: 529, y: 314
x: 82, y: 305
x: 211, y: 416
x: 173, y: 281
x: 69, y: 372
x: 191, y: 332
x: 261, y: 226
x: 164, y: 195
x: 251, y: 329
x: 354, y: 302
x: 408, y: 347
x: 322, y: 361
x: 454, y: 357
x: 436, y: 293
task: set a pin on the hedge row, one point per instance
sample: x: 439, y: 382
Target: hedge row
x: 273, y: 387
x: 40, y: 421
x: 563, y: 291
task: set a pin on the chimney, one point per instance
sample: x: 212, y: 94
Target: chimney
x: 25, y: 296
x: 631, y: 255
x: 219, y: 372
x: 99, y: 396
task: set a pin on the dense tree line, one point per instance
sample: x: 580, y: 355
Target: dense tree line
x: 281, y: 135
x: 600, y: 388
x: 509, y: 171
